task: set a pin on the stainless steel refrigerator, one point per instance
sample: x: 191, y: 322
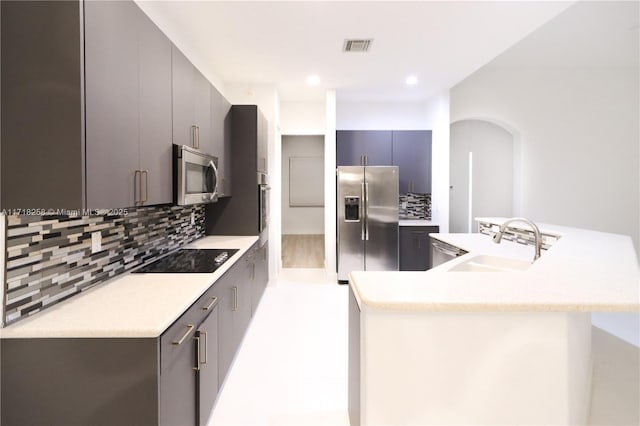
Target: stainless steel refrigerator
x: 367, y: 208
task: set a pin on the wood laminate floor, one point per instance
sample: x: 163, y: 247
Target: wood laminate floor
x: 303, y: 251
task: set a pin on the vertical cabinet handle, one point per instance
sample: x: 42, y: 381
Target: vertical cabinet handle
x: 234, y: 306
x: 197, y: 367
x: 194, y: 136
x: 137, y: 186
x: 206, y: 343
x: 198, y: 137
x: 146, y: 185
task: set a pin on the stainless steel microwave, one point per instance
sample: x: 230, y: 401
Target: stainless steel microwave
x: 195, y: 176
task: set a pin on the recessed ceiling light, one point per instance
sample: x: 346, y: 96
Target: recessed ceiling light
x: 411, y: 80
x: 313, y: 80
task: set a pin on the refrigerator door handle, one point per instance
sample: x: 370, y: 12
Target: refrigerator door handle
x: 366, y: 211
x: 362, y: 212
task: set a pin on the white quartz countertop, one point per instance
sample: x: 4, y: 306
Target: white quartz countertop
x: 416, y: 222
x: 583, y: 271
x: 132, y: 305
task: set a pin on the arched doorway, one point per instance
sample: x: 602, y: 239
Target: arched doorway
x: 481, y: 173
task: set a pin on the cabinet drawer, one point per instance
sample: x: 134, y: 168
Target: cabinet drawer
x: 181, y: 333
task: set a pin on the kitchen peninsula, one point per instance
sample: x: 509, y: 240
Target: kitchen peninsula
x: 471, y: 346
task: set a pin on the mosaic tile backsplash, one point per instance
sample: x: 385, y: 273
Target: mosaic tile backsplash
x: 414, y: 206
x: 518, y: 235
x: 48, y: 258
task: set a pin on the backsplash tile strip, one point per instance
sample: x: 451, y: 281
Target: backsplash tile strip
x: 518, y: 235
x: 48, y: 259
x: 414, y: 206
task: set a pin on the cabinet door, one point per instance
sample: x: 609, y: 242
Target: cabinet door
x: 183, y: 104
x: 207, y: 373
x: 177, y: 377
x: 155, y: 112
x: 243, y: 289
x: 202, y: 112
x: 263, y: 138
x: 221, y: 139
x: 111, y: 84
x: 363, y: 147
x: 226, y: 340
x: 42, y: 138
x: 261, y: 276
x: 412, y: 154
x: 415, y: 247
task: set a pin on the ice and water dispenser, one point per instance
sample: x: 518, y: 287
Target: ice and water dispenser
x: 351, y: 209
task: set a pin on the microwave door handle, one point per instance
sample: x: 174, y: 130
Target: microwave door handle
x: 215, y: 186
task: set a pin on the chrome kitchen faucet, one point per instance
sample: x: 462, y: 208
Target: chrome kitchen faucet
x: 536, y: 232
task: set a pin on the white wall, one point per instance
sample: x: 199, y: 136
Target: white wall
x: 301, y: 220
x: 571, y: 90
x: 302, y: 118
x: 380, y: 116
x: 437, y: 119
x: 266, y: 97
x: 330, y: 187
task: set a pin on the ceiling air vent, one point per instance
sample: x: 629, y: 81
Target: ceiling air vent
x: 357, y: 45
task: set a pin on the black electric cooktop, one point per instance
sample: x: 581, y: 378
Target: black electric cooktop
x: 190, y: 261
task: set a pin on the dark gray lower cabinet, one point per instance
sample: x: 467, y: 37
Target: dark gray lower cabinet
x: 170, y: 380
x: 354, y: 360
x: 415, y: 247
x: 207, y: 364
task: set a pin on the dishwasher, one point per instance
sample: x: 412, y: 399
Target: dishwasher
x: 442, y: 252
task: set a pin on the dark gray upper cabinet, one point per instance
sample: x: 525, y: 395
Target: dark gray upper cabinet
x: 363, y: 147
x: 191, y: 104
x: 156, y: 154
x: 128, y: 107
x: 221, y: 139
x: 42, y: 150
x: 412, y: 154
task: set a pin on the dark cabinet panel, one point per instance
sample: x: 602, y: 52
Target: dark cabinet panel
x: 183, y: 89
x: 363, y: 147
x: 415, y: 247
x: 42, y: 150
x: 207, y: 370
x: 226, y: 336
x: 412, y: 154
x: 112, y: 87
x: 221, y: 139
x: 239, y: 214
x: 80, y: 381
x: 191, y: 104
x: 128, y: 107
x: 260, y: 276
x: 155, y: 112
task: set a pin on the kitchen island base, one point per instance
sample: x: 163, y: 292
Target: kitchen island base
x: 481, y: 368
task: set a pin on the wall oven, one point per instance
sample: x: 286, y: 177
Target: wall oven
x: 195, y: 176
x: 263, y: 202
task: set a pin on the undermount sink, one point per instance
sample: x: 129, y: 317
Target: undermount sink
x: 485, y: 263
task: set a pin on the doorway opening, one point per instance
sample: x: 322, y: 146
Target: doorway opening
x: 481, y: 171
x: 303, y: 201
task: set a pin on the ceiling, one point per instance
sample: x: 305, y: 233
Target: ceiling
x: 283, y: 42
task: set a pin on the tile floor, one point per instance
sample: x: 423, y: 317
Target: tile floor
x: 292, y: 366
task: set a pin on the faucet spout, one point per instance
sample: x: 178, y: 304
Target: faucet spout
x: 536, y: 232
